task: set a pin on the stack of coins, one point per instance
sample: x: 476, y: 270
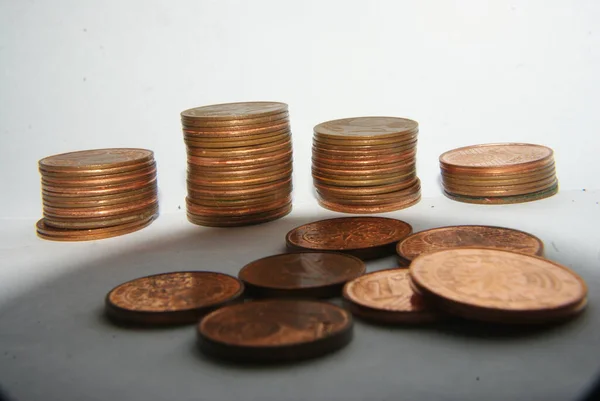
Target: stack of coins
x: 239, y: 163
x: 499, y: 173
x: 366, y: 164
x: 94, y: 194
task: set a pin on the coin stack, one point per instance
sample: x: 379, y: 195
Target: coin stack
x: 499, y: 173
x: 239, y: 163
x: 95, y: 194
x: 366, y: 164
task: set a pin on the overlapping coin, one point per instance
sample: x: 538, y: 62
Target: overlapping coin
x: 499, y: 173
x: 498, y: 286
x: 95, y: 194
x: 366, y: 164
x: 239, y: 163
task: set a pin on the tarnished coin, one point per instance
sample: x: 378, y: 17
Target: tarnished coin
x: 367, y: 127
x: 498, y: 285
x: 234, y: 111
x: 95, y: 159
x: 300, y: 274
x: 386, y: 296
x: 274, y: 330
x: 171, y: 298
x: 364, y: 237
x: 450, y: 237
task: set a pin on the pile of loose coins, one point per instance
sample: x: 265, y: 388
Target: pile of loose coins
x: 274, y: 311
x: 366, y: 164
x: 239, y: 163
x: 97, y: 194
x: 499, y: 173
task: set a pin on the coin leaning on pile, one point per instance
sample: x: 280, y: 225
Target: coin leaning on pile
x: 239, y: 163
x: 499, y: 173
x: 366, y: 164
x: 95, y: 194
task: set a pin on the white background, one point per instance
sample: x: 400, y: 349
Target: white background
x: 86, y: 74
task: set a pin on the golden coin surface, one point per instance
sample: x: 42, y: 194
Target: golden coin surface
x: 99, y: 189
x: 496, y: 155
x: 363, y: 162
x: 253, y: 172
x: 367, y: 127
x: 95, y: 201
x: 440, y: 238
x: 486, y: 182
x: 386, y: 296
x: 367, y: 181
x: 241, y: 181
x: 384, y: 170
x: 497, y: 280
x: 113, y: 179
x: 95, y: 159
x: 234, y: 111
x: 345, y: 148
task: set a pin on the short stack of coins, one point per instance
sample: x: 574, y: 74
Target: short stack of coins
x: 499, y: 173
x: 239, y: 163
x: 366, y: 164
x: 95, y: 194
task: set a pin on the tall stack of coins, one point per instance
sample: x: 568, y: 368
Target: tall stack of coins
x: 239, y: 163
x: 366, y: 164
x: 94, y: 194
x: 499, y: 173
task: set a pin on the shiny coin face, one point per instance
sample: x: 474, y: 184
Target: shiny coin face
x: 171, y: 298
x: 94, y: 159
x: 496, y: 155
x: 234, y: 111
x: 367, y: 127
x: 274, y: 330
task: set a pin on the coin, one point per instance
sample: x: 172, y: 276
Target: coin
x: 367, y: 127
x: 300, y: 274
x: 498, y: 155
x: 385, y: 296
x: 241, y: 181
x: 468, y: 236
x: 98, y: 201
x: 242, y: 173
x: 238, y: 221
x: 274, y: 330
x: 240, y: 193
x: 100, y: 222
x: 56, y: 234
x: 358, y: 191
x: 498, y: 200
x: 96, y: 171
x: 370, y: 209
x: 480, y: 180
x: 227, y: 124
x: 367, y: 181
x: 498, y: 285
x: 363, y: 237
x: 392, y: 198
x: 371, y: 143
x: 508, y: 190
x: 172, y: 298
x: 281, y: 125
x: 95, y: 159
x: 381, y: 170
x: 236, y: 211
x: 247, y: 151
x: 239, y: 161
x: 237, y: 144
x: 99, y: 189
x: 100, y: 211
x: 103, y: 180
x: 234, y: 111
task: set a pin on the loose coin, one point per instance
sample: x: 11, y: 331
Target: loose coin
x: 172, y: 298
x: 386, y: 296
x: 364, y: 237
x: 498, y: 285
x: 300, y: 274
x: 274, y: 330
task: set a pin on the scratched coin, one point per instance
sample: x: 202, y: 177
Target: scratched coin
x: 274, y: 330
x: 365, y: 237
x: 300, y: 274
x: 440, y: 238
x: 171, y: 298
x: 498, y: 285
x: 386, y: 296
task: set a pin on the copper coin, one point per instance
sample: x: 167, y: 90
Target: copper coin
x: 99, y: 189
x: 502, y: 156
x: 271, y: 157
x: 440, y: 238
x: 208, y: 138
x: 238, y: 221
x: 237, y: 144
x: 241, y: 173
x: 386, y: 296
x: 371, y: 209
x: 100, y: 222
x: 274, y: 330
x: 239, y: 202
x: 360, y: 165
x: 380, y: 189
x: 56, y: 234
x: 328, y: 192
x: 95, y: 159
x: 501, y: 200
x: 112, y: 179
x: 300, y: 274
x: 367, y: 127
x: 234, y: 111
x: 82, y: 195
x: 209, y: 181
x: 498, y: 173
x: 512, y: 179
x: 366, y: 182
x: 281, y: 146
x: 390, y: 155
x: 504, y: 191
x: 353, y: 150
x: 216, y: 133
x: 99, y: 171
x: 364, y: 143
x: 226, y: 124
x: 240, y: 193
x: 100, y: 211
x: 236, y: 211
x: 364, y: 237
x: 400, y: 197
x: 172, y: 298
x: 98, y: 201
x: 397, y: 168
x: 507, y: 286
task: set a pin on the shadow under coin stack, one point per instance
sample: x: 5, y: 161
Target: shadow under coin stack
x: 366, y: 164
x: 95, y: 194
x: 239, y: 163
x: 499, y: 173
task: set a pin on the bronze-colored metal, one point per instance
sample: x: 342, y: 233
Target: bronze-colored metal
x: 95, y: 159
x: 382, y: 149
x: 97, y: 171
x: 452, y: 237
x: 240, y: 193
x: 274, y: 330
x: 511, y: 190
x: 104, y: 180
x: 234, y: 111
x: 367, y: 181
x: 100, y: 211
x: 363, y: 237
x: 281, y: 145
x: 235, y: 124
x: 234, y: 182
x: 371, y: 209
x: 372, y: 143
x: 367, y: 127
x: 56, y: 234
x: 100, y: 222
x: 223, y: 161
x: 237, y: 144
x: 511, y: 179
x: 386, y: 296
x: 500, y: 200
x: 237, y: 221
x: 300, y: 274
x: 498, y: 285
x: 234, y: 210
x: 99, y: 189
x: 172, y: 298
x: 240, y: 173
x: 356, y: 191
x: 281, y: 125
x: 98, y: 201
x: 392, y: 198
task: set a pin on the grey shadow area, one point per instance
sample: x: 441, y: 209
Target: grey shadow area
x: 55, y: 343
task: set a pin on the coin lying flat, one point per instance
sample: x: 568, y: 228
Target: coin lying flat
x: 502, y: 200
x: 386, y: 296
x: 301, y: 274
x: 234, y: 111
x: 364, y: 237
x: 171, y: 298
x: 467, y: 236
x: 94, y: 159
x: 274, y: 330
x: 367, y: 127
x: 498, y: 285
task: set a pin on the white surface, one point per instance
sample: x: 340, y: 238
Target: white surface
x: 84, y: 74
x: 55, y: 345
